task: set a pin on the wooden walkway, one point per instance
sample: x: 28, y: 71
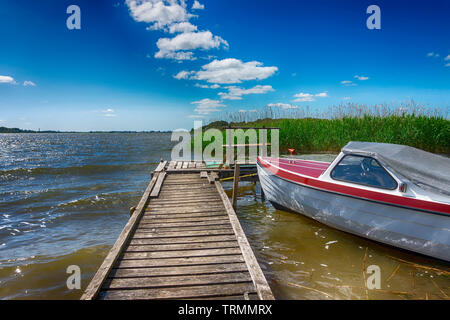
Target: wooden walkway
x: 183, y: 241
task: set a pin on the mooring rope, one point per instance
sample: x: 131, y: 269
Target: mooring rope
x: 245, y: 176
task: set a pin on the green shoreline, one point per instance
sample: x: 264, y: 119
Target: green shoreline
x: 17, y: 130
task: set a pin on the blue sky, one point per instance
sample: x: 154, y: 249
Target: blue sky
x: 160, y: 64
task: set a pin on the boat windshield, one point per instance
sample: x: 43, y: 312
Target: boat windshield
x: 363, y: 170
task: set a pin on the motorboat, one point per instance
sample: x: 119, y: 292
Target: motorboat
x: 393, y: 194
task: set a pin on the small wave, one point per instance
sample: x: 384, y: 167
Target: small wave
x: 78, y: 170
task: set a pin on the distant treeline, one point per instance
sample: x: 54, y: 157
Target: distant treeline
x: 17, y: 130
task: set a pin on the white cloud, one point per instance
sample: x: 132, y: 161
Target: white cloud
x: 159, y: 12
x: 362, y: 78
x: 302, y: 97
x: 282, y: 105
x: 447, y: 65
x: 348, y: 83
x: 447, y: 57
x: 233, y: 71
x: 197, y: 5
x: 183, y: 75
x: 175, y: 48
x: 7, y: 79
x: 206, y: 106
x: 182, y: 27
x: 433, y: 54
x: 205, y: 86
x: 346, y: 98
x: 236, y: 93
x: 305, y: 97
x: 29, y: 83
x: 108, y: 112
x: 195, y: 116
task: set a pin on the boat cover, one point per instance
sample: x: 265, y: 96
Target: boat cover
x: 427, y: 170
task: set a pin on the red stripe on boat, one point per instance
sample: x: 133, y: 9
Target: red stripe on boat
x: 310, y: 180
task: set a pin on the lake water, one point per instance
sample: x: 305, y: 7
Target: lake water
x: 64, y: 199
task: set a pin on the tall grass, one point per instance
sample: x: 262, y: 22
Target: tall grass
x: 328, y: 132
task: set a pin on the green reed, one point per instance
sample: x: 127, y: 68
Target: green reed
x: 306, y: 132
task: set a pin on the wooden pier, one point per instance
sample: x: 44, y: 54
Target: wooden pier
x: 183, y: 241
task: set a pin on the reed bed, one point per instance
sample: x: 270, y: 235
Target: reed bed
x: 307, y: 131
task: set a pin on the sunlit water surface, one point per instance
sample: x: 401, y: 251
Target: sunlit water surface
x: 64, y: 199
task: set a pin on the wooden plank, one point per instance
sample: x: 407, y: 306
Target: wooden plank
x: 203, y: 174
x: 193, y: 292
x: 174, y: 234
x: 184, y: 182
x: 161, y: 166
x: 187, y: 201
x: 172, y: 165
x: 141, y: 263
x: 94, y: 286
x: 156, y: 230
x: 171, y: 219
x: 183, y: 224
x: 177, y: 270
x: 159, y: 230
x: 158, y: 184
x: 194, y: 197
x: 263, y: 289
x: 185, y: 164
x: 156, y: 213
x: 201, y: 205
x: 184, y: 218
x: 183, y: 246
x: 191, y: 164
x: 180, y: 254
x: 182, y: 177
x: 188, y: 188
x: 184, y: 194
x: 177, y: 281
x: 179, y: 165
x: 181, y: 240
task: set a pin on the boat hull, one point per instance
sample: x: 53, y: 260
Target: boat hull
x: 422, y: 232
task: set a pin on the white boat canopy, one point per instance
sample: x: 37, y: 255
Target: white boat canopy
x: 429, y: 171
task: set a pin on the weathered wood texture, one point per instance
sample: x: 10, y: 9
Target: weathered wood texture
x: 184, y: 241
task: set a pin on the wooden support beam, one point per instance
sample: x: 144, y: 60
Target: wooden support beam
x: 262, y: 287
x: 161, y: 166
x: 157, y: 188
